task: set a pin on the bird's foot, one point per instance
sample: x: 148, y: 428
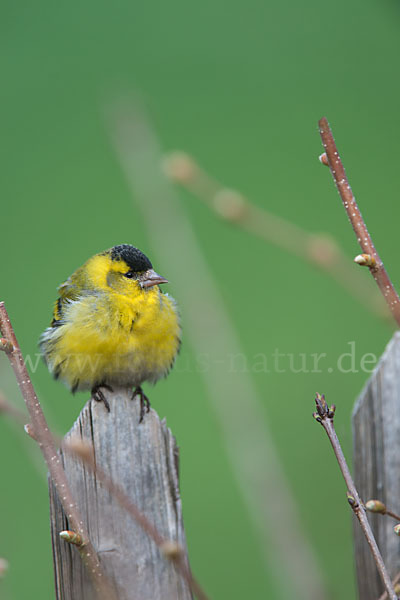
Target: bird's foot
x: 144, y: 401
x: 98, y: 394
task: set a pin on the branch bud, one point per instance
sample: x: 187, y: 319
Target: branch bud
x: 29, y: 430
x: 71, y: 537
x: 171, y: 550
x: 316, y: 417
x: 375, y: 506
x: 6, y: 346
x: 351, y: 500
x: 179, y: 167
x: 322, y: 407
x: 365, y: 260
x: 324, y: 159
x: 397, y: 529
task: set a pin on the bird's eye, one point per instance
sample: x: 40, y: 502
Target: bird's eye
x: 129, y: 274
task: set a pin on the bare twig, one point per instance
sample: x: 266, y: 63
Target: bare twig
x: 46, y: 444
x: 376, y: 267
x: 171, y: 550
x: 325, y: 415
x: 392, y: 514
x: 4, y: 566
x: 319, y: 249
x: 395, y: 516
x: 7, y: 408
x: 395, y: 583
x: 19, y: 418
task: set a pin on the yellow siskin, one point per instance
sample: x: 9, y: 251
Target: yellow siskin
x: 112, y: 326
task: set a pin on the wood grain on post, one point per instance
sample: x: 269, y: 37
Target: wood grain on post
x: 376, y: 439
x: 143, y: 459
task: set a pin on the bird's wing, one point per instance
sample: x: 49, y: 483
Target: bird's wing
x: 69, y: 291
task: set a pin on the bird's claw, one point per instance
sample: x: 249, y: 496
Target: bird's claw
x: 144, y: 402
x: 98, y: 395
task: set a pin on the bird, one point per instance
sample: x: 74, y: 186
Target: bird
x: 112, y: 326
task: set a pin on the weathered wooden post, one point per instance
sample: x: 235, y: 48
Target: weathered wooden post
x: 142, y: 458
x: 376, y: 439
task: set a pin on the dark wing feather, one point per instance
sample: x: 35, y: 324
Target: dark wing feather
x: 69, y: 290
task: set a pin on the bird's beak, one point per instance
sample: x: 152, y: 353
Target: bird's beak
x: 151, y: 278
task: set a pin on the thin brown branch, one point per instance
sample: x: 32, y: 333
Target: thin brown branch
x: 46, y: 444
x: 318, y: 249
x: 7, y: 408
x: 325, y: 415
x: 395, y: 583
x: 377, y: 269
x: 392, y: 514
x: 4, y: 566
x: 20, y: 417
x: 171, y: 550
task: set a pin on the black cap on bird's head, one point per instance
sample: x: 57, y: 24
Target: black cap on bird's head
x: 134, y: 258
x: 138, y: 263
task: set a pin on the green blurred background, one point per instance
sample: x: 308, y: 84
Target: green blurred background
x: 240, y: 86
